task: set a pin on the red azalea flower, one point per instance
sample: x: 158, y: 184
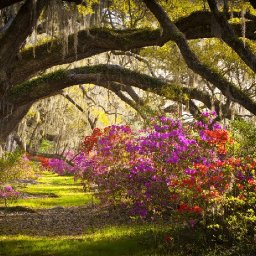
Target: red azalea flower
x: 252, y: 181
x: 196, y: 209
x: 183, y: 207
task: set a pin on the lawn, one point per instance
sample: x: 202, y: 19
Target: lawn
x: 132, y: 240
x: 53, y: 190
x: 136, y: 238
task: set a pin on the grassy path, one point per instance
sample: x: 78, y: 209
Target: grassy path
x: 63, y: 221
x: 51, y: 190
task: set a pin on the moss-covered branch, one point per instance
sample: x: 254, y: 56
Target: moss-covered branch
x: 227, y: 88
x: 99, y: 40
x: 230, y: 38
x: 102, y: 75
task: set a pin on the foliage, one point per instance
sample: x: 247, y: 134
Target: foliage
x: 45, y: 146
x: 7, y: 193
x: 178, y: 171
x: 15, y: 165
x: 245, y: 136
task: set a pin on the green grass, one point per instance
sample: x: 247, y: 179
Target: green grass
x: 65, y: 191
x: 126, y: 240
x: 135, y: 239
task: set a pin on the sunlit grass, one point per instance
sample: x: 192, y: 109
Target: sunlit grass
x: 126, y: 240
x: 132, y: 240
x: 135, y: 239
x: 53, y: 190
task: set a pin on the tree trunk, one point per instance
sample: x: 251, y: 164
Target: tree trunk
x: 9, y: 123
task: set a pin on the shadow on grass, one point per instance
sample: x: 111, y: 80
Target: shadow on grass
x: 114, y: 241
x: 14, y: 209
x: 136, y: 240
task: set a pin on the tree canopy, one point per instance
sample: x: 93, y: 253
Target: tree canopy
x: 198, y: 53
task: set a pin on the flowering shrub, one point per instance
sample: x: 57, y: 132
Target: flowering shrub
x: 7, y: 193
x: 59, y: 166
x: 183, y: 170
x: 169, y: 166
x: 44, y: 162
x: 14, y: 166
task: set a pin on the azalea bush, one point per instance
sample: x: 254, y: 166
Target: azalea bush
x: 58, y: 165
x: 181, y: 171
x: 171, y: 166
x: 8, y: 194
x: 14, y: 167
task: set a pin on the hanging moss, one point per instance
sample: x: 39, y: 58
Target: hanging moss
x: 175, y: 92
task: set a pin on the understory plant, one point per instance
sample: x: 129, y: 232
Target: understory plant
x: 183, y: 172
x: 14, y: 166
x: 8, y: 194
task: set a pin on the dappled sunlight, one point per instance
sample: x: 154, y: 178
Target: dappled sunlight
x: 121, y: 240
x: 52, y: 190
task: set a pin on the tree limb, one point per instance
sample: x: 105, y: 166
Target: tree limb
x: 66, y: 96
x: 102, y: 75
x: 10, y: 122
x: 98, y: 40
x: 19, y: 30
x: 229, y: 37
x: 136, y: 103
x: 227, y: 88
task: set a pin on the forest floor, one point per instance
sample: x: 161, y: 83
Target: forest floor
x: 55, y: 217
x: 55, y: 205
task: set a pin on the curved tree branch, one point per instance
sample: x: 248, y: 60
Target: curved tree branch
x: 99, y: 40
x: 111, y: 77
x: 229, y: 37
x: 228, y: 89
x: 90, y: 42
x: 105, y: 76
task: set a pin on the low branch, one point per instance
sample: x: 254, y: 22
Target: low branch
x: 227, y: 88
x: 229, y: 37
x: 98, y: 40
x: 103, y: 75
